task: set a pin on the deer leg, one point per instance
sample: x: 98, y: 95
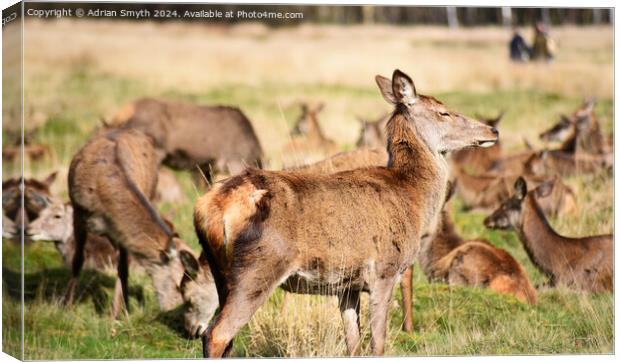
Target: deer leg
x: 245, y: 295
x: 349, y: 304
x: 380, y: 295
x: 80, y: 234
x: 121, y: 290
x: 406, y: 291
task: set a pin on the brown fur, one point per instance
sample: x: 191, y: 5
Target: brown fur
x: 36, y: 198
x: 186, y: 135
x: 583, y: 263
x: 111, y: 182
x: 449, y: 258
x: 340, y: 234
x: 486, y: 192
x: 556, y: 162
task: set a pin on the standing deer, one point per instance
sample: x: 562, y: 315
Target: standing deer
x: 340, y: 234
x: 583, y: 263
x: 185, y: 135
x: 111, y: 182
x: 447, y: 257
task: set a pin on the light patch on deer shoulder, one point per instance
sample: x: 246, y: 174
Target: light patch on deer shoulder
x: 124, y: 115
x: 239, y: 207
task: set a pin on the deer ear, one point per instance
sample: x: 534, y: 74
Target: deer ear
x: 385, y: 86
x: 50, y: 179
x: 589, y: 104
x: 403, y: 88
x: 545, y: 188
x: 495, y: 121
x: 520, y: 188
x: 190, y: 264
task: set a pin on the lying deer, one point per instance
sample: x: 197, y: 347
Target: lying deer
x: 55, y: 223
x: 215, y: 138
x: 486, y: 192
x: 372, y: 133
x: 557, y: 162
x: 111, y: 182
x: 447, y: 257
x: 338, y: 234
x: 479, y: 160
x: 36, y: 196
x: 307, y: 139
x: 583, y: 263
x: 580, y: 132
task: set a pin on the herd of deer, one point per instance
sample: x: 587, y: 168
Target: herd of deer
x: 354, y: 222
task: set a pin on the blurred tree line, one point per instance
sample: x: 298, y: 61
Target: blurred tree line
x: 368, y: 14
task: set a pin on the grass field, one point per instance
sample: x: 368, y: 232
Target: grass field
x: 70, y: 86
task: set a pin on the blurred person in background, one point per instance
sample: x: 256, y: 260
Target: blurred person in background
x: 543, y: 47
x: 519, y: 51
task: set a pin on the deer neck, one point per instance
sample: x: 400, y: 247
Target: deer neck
x: 314, y: 130
x: 417, y: 164
x: 538, y: 237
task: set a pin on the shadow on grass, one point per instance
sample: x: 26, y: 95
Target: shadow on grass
x: 50, y: 285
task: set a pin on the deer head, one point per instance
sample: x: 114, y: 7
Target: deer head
x: 199, y: 293
x: 441, y: 129
x: 308, y: 121
x: 371, y: 133
x: 508, y: 214
x: 55, y: 223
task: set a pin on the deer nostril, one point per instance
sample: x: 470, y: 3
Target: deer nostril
x: 495, y: 131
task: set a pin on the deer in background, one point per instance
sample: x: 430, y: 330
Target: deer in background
x: 187, y: 135
x: 372, y: 133
x: 486, y: 192
x: 36, y: 196
x: 584, y: 263
x: 580, y: 132
x: 339, y: 234
x: 447, y: 257
x: 55, y: 224
x: 111, y: 182
x: 307, y: 138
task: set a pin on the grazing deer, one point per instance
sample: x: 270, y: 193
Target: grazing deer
x: 215, y: 138
x: 372, y: 133
x: 340, y: 234
x: 583, y: 263
x: 111, y: 180
x: 479, y: 160
x: 55, y: 223
x: 36, y: 196
x: 486, y: 192
x: 447, y: 257
x: 307, y: 139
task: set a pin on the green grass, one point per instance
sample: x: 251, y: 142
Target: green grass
x: 457, y: 321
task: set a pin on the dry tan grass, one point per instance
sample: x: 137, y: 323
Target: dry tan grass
x: 252, y: 54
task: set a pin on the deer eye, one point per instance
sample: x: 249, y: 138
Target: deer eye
x: 57, y: 216
x: 444, y: 114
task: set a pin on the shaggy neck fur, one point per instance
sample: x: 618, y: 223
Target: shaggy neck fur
x: 419, y: 165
